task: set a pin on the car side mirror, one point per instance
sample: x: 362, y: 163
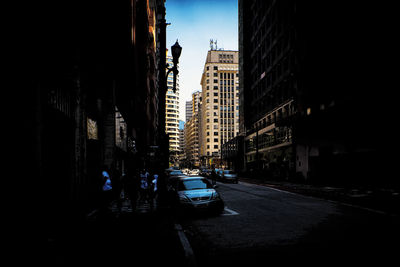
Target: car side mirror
x: 215, y: 186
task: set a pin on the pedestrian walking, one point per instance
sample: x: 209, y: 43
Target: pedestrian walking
x: 106, y: 190
x: 144, y: 186
x: 154, y: 189
x: 116, y: 186
x: 213, y: 176
x: 132, y: 186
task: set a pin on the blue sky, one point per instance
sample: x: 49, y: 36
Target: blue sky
x: 194, y: 23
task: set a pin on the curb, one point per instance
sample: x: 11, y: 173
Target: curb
x: 187, y: 248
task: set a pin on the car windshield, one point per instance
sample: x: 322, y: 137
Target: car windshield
x: 228, y: 172
x: 193, y: 184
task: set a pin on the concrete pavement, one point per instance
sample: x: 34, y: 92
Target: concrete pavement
x: 125, y: 235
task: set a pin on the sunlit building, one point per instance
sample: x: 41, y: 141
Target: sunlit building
x: 220, y: 104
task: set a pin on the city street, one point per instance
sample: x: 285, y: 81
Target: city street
x: 262, y: 224
x: 117, y: 103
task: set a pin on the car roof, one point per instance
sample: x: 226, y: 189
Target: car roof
x: 191, y: 177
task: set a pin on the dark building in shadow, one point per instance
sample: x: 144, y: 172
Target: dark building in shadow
x: 93, y: 94
x: 315, y: 97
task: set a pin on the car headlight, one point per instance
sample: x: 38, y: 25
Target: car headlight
x: 183, y: 198
x: 215, y: 195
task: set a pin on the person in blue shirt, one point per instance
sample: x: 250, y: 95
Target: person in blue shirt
x: 144, y: 186
x: 106, y: 194
x: 154, y: 190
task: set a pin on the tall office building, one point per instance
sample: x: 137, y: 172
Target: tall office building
x: 268, y: 81
x: 220, y: 104
x: 310, y: 87
x: 172, y: 113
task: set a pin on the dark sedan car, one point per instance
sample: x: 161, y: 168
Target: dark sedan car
x: 196, y: 193
x: 228, y: 176
x: 176, y: 173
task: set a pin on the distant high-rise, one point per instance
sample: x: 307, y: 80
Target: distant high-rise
x: 181, y: 142
x: 192, y: 131
x: 189, y: 110
x: 172, y: 111
x: 220, y: 103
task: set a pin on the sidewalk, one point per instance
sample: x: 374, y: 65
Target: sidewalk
x: 124, y: 236
x: 381, y: 200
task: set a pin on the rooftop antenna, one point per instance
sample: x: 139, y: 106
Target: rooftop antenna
x: 216, y: 46
x: 211, y: 44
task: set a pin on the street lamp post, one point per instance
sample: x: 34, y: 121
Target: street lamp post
x: 176, y: 50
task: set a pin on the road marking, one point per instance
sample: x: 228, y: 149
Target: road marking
x: 231, y: 212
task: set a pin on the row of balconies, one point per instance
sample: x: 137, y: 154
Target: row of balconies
x: 273, y: 137
x: 283, y: 111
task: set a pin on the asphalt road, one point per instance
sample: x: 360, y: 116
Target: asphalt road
x: 262, y: 225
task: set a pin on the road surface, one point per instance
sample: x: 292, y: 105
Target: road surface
x: 262, y: 225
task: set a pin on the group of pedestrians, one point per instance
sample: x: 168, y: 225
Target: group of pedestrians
x: 137, y: 187
x: 148, y: 187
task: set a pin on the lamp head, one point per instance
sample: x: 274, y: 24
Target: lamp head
x: 176, y: 50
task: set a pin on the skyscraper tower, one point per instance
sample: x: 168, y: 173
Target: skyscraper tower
x: 220, y: 104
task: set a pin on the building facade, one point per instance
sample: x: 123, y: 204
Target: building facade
x: 220, y: 104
